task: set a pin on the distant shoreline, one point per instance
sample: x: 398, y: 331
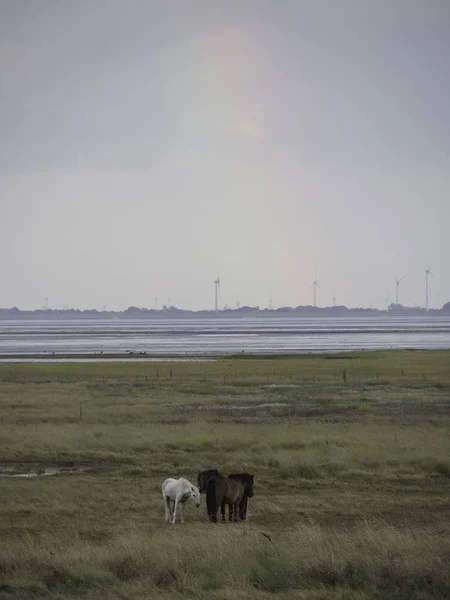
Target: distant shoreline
x: 15, y: 313
x: 137, y: 357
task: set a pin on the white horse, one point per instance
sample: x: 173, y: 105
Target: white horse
x: 176, y: 492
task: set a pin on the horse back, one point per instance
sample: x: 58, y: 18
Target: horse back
x: 220, y: 483
x: 216, y: 489
x: 246, y: 480
x: 167, y: 482
x: 236, y: 488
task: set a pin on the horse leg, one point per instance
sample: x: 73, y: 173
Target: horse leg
x: 243, y: 509
x: 236, y: 511
x: 167, y: 503
x: 219, y: 501
x: 222, y: 510
x: 175, y: 511
x: 182, y: 511
x: 230, y: 512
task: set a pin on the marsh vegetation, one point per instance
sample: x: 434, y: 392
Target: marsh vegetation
x: 352, y: 478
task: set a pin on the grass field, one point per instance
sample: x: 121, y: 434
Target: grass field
x: 351, y: 457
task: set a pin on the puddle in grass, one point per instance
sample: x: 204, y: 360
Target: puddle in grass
x: 39, y: 471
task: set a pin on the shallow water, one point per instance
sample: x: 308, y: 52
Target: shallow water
x: 206, y: 336
x: 97, y: 358
x: 36, y: 471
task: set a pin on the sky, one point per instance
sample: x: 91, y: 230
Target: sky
x: 148, y: 146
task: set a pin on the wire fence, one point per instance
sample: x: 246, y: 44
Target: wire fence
x: 298, y: 413
x: 278, y: 396
x: 235, y: 378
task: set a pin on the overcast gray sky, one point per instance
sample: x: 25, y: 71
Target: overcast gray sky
x: 146, y: 145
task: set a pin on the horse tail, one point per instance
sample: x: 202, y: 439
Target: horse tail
x: 211, y: 499
x: 163, y: 489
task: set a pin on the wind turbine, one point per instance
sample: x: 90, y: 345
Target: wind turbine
x: 216, y: 290
x: 315, y: 285
x: 427, y: 274
x: 397, y: 286
x: 387, y: 299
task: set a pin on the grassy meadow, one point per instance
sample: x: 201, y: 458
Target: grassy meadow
x: 351, y: 457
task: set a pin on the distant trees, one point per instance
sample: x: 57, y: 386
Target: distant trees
x: 135, y: 311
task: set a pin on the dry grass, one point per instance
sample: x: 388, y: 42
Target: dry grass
x: 372, y: 560
x: 351, y: 481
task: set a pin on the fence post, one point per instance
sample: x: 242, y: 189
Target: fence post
x: 81, y: 412
x: 170, y: 374
x: 344, y: 375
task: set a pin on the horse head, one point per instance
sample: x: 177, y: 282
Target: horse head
x: 195, y: 495
x: 249, y: 485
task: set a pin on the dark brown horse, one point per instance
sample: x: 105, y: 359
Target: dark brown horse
x: 232, y: 490
x: 202, y: 480
x: 203, y: 476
